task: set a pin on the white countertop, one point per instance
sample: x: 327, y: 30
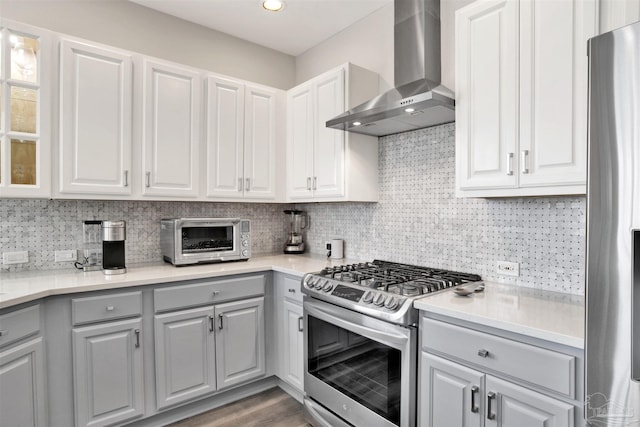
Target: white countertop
x: 17, y: 288
x: 551, y: 316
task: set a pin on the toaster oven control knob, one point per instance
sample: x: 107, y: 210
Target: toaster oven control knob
x: 245, y: 252
x: 391, y: 303
x: 245, y: 243
x: 327, y: 286
x: 367, y: 297
x: 379, y: 300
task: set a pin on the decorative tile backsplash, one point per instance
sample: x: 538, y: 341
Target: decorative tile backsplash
x: 44, y: 226
x: 418, y: 220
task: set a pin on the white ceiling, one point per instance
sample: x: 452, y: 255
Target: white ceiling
x: 301, y: 25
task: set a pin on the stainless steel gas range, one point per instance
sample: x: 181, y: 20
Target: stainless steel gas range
x: 360, y: 340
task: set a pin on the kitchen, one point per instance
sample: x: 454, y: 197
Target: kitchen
x: 417, y: 219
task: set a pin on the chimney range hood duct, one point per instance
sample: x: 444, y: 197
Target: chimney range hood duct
x: 418, y: 100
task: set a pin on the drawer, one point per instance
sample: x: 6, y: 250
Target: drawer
x: 292, y: 289
x: 191, y: 294
x: 19, y: 324
x: 106, y: 307
x: 546, y: 368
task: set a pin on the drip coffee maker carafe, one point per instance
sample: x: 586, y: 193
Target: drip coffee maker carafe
x: 298, y: 220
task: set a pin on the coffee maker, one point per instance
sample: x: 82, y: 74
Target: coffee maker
x: 298, y: 220
x: 113, y: 237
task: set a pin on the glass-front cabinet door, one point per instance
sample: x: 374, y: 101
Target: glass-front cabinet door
x: 25, y: 131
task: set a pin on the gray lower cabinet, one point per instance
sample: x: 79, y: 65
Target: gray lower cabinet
x: 108, y: 373
x: 185, y: 355
x: 240, y: 346
x: 293, y: 348
x: 22, y: 399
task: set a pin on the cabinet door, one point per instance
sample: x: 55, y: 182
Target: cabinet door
x: 225, y: 138
x: 95, y: 121
x: 300, y: 136
x: 329, y: 144
x: 294, y: 350
x: 26, y: 72
x: 553, y: 90
x: 260, y: 143
x: 240, y: 341
x: 171, y: 121
x: 22, y: 399
x: 618, y: 13
x: 487, y: 95
x: 185, y: 355
x: 515, y: 406
x: 450, y: 394
x: 108, y: 373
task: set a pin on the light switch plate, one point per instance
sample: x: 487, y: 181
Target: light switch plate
x: 19, y: 257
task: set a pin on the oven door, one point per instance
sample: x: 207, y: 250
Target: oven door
x: 205, y: 240
x: 360, y: 368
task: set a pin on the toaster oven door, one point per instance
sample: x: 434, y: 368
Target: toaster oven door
x: 208, y: 241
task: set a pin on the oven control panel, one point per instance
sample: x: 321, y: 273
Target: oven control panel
x: 361, y: 296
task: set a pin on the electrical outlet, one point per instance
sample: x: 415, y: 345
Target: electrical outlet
x: 508, y: 268
x: 19, y: 257
x: 65, y: 256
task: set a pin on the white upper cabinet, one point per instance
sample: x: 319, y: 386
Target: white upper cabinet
x: 326, y: 164
x: 242, y: 141
x: 618, y: 13
x: 26, y: 73
x: 95, y: 119
x: 170, y: 129
x: 521, y: 94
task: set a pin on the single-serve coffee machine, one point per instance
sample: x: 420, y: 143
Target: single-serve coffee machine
x: 113, y: 237
x: 298, y: 220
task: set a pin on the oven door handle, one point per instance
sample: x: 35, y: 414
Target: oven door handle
x: 394, y: 336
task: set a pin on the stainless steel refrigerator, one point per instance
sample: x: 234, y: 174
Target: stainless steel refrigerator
x: 612, y: 396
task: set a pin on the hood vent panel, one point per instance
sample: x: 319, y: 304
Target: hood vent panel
x: 417, y: 78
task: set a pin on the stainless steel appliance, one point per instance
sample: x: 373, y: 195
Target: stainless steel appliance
x: 114, y: 234
x: 185, y: 241
x: 298, y: 220
x: 612, y: 395
x: 360, y: 341
x: 418, y: 99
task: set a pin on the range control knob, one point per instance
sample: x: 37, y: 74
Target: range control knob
x: 379, y: 300
x: 367, y: 297
x: 320, y: 283
x: 309, y: 282
x: 327, y: 286
x: 391, y: 303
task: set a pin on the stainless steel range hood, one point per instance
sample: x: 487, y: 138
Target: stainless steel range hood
x: 418, y: 100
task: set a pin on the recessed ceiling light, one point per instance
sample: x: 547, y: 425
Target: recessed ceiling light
x: 273, y: 5
x: 409, y: 110
x: 357, y: 123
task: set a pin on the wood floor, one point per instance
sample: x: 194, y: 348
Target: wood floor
x: 271, y: 408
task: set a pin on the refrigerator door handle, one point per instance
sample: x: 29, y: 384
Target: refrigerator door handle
x: 635, y: 308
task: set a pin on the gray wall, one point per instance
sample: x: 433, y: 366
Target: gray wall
x: 133, y: 27
x: 418, y: 220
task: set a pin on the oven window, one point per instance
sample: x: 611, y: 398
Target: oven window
x: 207, y: 239
x: 365, y: 370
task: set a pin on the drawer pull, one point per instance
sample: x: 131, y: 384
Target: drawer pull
x: 215, y: 293
x: 483, y: 353
x: 110, y: 308
x: 474, y: 407
x: 4, y: 333
x: 300, y: 325
x: 137, y: 332
x: 490, y: 396
x: 211, y: 326
x: 293, y: 291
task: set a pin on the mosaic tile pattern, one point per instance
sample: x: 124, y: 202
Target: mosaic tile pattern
x: 44, y: 226
x: 418, y: 220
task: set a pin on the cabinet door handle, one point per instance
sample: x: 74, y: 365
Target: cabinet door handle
x: 147, y: 179
x: 300, y: 324
x: 240, y: 184
x: 248, y: 187
x: 219, y: 321
x: 315, y: 183
x: 137, y: 332
x: 211, y: 326
x: 309, y: 183
x: 474, y: 407
x: 490, y: 397
x: 523, y: 161
x: 510, y: 164
x: 483, y: 353
x: 126, y: 178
